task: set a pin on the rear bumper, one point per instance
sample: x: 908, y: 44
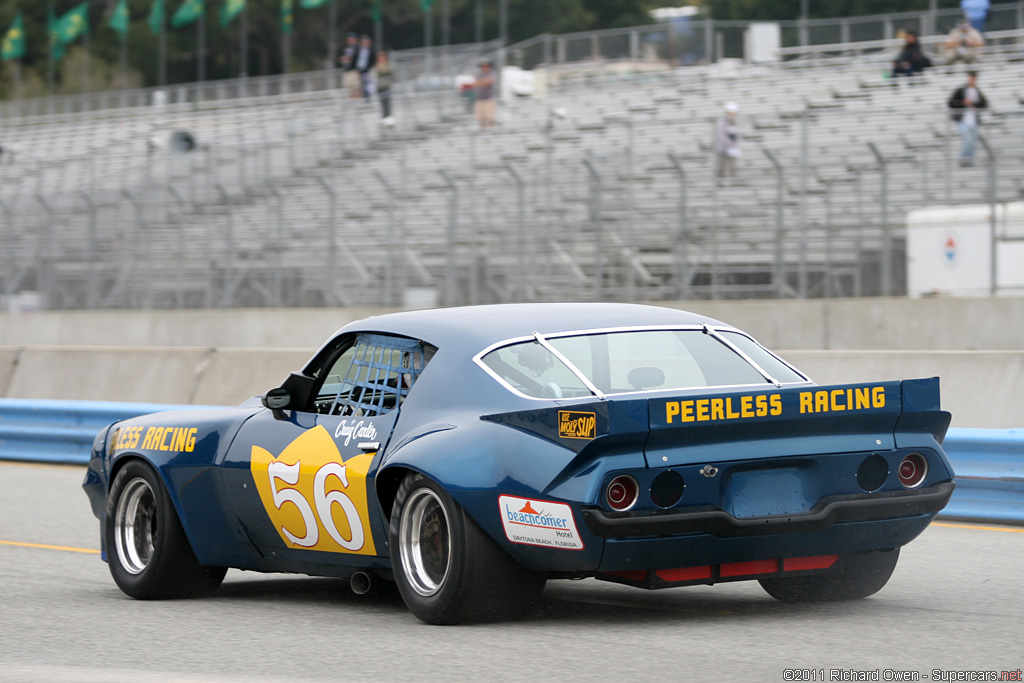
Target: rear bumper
x: 864, y: 507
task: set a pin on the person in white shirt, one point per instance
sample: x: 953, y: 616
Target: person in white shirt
x: 727, y: 142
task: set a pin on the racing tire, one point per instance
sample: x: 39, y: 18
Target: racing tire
x: 148, y: 553
x: 447, y: 569
x: 862, y: 574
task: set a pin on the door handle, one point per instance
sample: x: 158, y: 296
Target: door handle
x: 368, y: 446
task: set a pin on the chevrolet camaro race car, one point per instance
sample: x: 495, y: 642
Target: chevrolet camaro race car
x: 471, y: 454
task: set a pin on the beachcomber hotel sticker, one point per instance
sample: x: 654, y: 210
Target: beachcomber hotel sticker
x: 539, y: 522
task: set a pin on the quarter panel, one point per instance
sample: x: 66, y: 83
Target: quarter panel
x: 185, y: 448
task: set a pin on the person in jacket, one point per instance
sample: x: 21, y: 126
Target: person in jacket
x: 911, y: 59
x: 364, y: 61
x: 966, y: 103
x: 347, y: 60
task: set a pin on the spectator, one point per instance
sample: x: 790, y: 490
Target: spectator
x: 966, y: 102
x: 911, y: 59
x: 483, y: 89
x: 727, y: 142
x: 977, y: 13
x: 350, y: 77
x: 365, y: 60
x: 385, y: 79
x: 963, y: 43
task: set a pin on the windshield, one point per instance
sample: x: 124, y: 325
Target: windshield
x: 644, y: 360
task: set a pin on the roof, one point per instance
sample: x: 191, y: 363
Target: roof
x: 481, y: 326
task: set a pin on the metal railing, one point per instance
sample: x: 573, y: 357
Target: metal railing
x: 562, y: 210
x: 416, y: 71
x: 692, y: 41
x: 684, y: 41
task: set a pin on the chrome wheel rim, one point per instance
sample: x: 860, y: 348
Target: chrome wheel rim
x: 135, y: 526
x: 425, y: 542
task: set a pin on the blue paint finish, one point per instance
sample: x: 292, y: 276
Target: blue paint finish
x: 479, y: 441
x: 776, y: 491
x: 790, y: 432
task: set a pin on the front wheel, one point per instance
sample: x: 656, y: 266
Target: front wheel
x: 447, y: 569
x: 149, y: 555
x: 862, y: 574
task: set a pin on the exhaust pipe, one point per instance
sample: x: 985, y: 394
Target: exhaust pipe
x: 360, y: 583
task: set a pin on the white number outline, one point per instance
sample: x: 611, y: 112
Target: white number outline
x: 323, y: 500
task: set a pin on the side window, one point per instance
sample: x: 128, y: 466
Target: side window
x: 371, y: 377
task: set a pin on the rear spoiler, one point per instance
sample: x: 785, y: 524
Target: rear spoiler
x: 865, y: 416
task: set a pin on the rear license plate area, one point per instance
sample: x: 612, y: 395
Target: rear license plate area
x: 766, y: 492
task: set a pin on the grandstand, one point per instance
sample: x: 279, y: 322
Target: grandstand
x: 601, y: 188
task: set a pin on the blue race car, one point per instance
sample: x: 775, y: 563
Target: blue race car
x: 471, y: 454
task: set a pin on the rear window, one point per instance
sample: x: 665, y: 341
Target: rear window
x: 643, y: 360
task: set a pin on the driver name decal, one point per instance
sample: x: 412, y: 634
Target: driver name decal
x: 360, y: 430
x: 314, y: 499
x: 539, y: 522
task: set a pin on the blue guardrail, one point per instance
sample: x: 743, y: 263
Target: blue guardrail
x: 62, y: 431
x: 989, y: 463
x: 989, y: 466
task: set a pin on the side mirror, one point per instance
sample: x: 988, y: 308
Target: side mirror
x: 276, y: 399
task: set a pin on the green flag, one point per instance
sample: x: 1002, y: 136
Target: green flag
x: 425, y: 5
x: 312, y: 4
x: 189, y: 11
x: 74, y: 23
x: 230, y: 9
x: 156, y: 17
x: 287, y: 18
x: 14, y: 40
x: 375, y: 11
x: 56, y: 47
x: 119, y: 19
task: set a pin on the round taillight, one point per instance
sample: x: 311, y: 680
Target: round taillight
x: 622, y: 493
x: 912, y: 470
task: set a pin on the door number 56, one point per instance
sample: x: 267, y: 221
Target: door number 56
x: 322, y: 501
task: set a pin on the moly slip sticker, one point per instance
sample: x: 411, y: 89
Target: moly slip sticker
x: 539, y: 522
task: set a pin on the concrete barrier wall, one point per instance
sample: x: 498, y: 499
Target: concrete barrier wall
x: 980, y: 388
x: 151, y: 375
x: 256, y: 327
x: 939, y: 324
x: 913, y: 324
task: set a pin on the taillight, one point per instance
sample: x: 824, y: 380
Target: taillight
x: 912, y: 470
x: 622, y: 493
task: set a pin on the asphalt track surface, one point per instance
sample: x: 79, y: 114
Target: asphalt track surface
x: 955, y: 603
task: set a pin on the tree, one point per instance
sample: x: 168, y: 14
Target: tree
x: 402, y: 21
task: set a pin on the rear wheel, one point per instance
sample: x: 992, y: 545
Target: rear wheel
x: 863, y: 574
x: 447, y: 569
x: 149, y: 556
